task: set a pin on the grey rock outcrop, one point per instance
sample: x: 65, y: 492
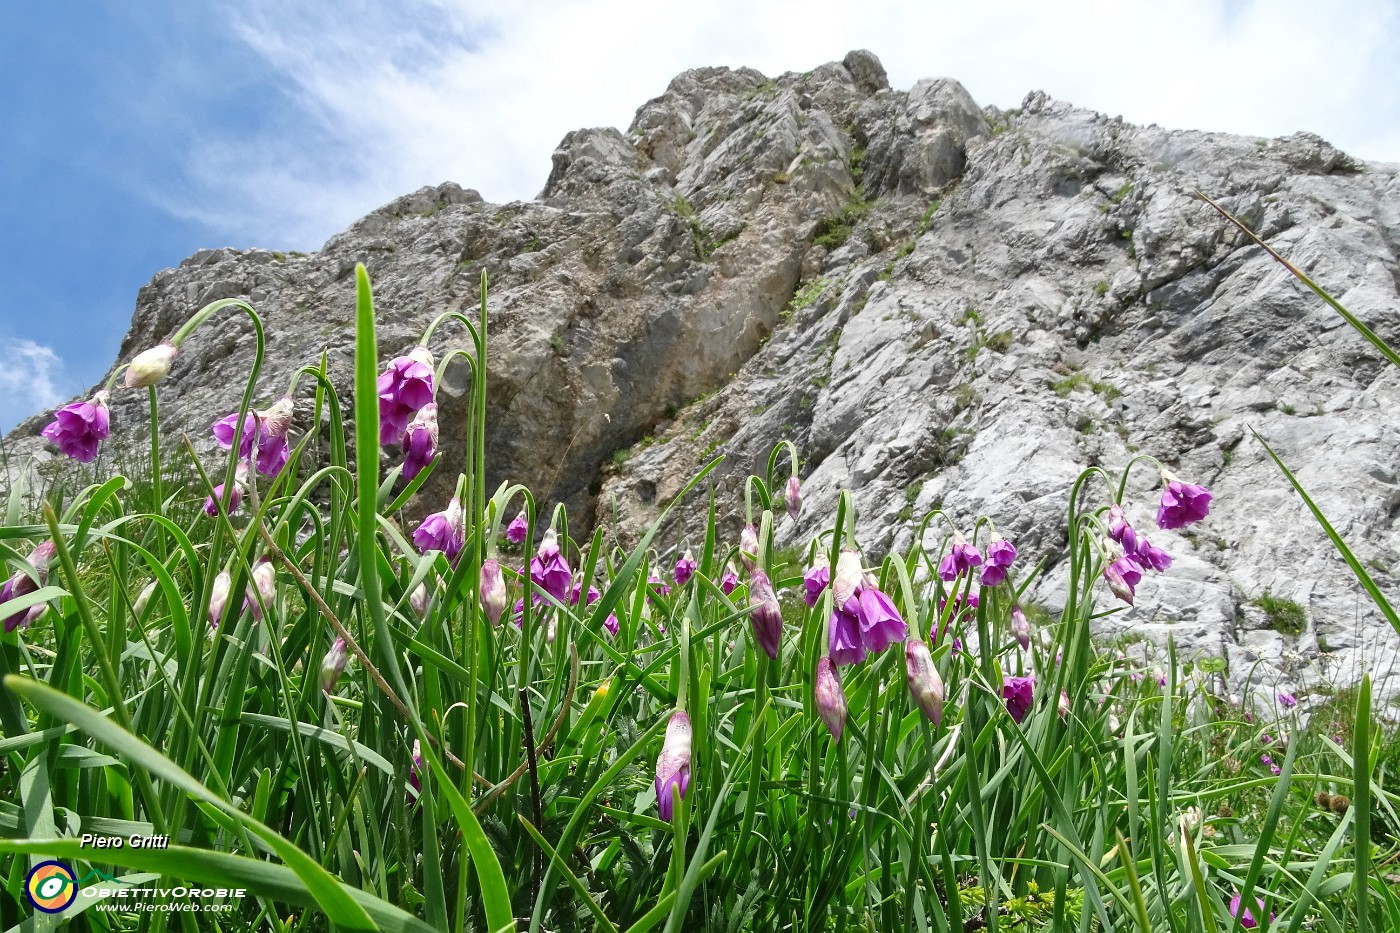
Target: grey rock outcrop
x: 944, y: 306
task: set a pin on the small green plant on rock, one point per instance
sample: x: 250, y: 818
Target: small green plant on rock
x: 1284, y: 615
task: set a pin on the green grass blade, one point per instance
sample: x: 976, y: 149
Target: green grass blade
x: 1361, y: 802
x: 569, y: 876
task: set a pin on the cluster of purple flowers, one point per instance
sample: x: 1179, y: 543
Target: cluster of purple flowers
x: 408, y: 409
x: 1131, y: 554
x: 78, y: 427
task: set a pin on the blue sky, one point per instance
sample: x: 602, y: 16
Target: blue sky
x: 137, y: 133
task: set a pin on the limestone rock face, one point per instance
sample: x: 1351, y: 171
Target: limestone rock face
x: 942, y: 305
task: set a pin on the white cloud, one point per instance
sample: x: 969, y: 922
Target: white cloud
x: 393, y: 96
x: 31, y: 379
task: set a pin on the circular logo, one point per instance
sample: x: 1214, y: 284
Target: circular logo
x: 51, y: 887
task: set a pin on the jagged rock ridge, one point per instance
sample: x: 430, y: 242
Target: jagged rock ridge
x: 942, y: 304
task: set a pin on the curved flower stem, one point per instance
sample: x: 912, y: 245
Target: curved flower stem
x: 158, y: 503
x: 773, y: 460
x: 454, y: 315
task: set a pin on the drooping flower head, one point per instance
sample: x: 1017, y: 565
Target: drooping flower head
x: 78, y: 427
x: 273, y: 451
x: 673, y: 765
x: 765, y: 614
x: 815, y: 580
x: 1182, y: 503
x: 517, y: 529
x: 493, y: 590
x: 924, y: 683
x: 1287, y: 700
x: 405, y: 386
x: 549, y: 570
x: 1019, y: 694
x: 235, y: 496
x: 277, y: 418
x: 1150, y: 555
x: 150, y: 366
x: 22, y: 584
x: 218, y: 597
x: 1247, y: 919
x: 685, y: 568
x: 333, y: 665
x: 881, y: 625
x: 420, y: 441
x: 829, y: 698
x: 960, y: 558
x: 846, y: 585
x: 1020, y: 628
x: 844, y: 642
x: 1000, y: 555
x: 748, y: 546
x: 443, y: 531
x: 792, y: 498
x: 1123, y: 575
x: 729, y: 580
x: 611, y: 624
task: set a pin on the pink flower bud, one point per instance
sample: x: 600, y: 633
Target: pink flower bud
x: 748, y: 546
x: 218, y: 597
x: 333, y: 665
x: 829, y: 699
x: 493, y: 590
x: 727, y: 582
x: 263, y: 585
x: 924, y: 683
x: 847, y: 583
x: 792, y: 497
x: 150, y: 366
x: 1020, y: 628
x: 1064, y: 704
x: 765, y: 614
x: 816, y: 580
x: 418, y: 600
x: 517, y: 529
x: 685, y: 568
x: 673, y: 765
x: 420, y: 441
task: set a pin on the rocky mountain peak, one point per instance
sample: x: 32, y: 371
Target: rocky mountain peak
x: 943, y: 305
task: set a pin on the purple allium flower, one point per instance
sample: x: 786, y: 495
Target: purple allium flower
x: 1117, y: 523
x: 1182, y: 503
x: 1247, y: 920
x: 150, y: 366
x: 1019, y: 694
x: 729, y: 580
x: 673, y: 765
x: 492, y: 590
x: 963, y: 604
x: 405, y: 386
x: 235, y: 499
x: 924, y: 683
x: 685, y: 568
x: 1161, y: 680
x: 1123, y: 576
x: 443, y: 531
x: 420, y: 441
x: 577, y: 592
x: 517, y: 529
x: 656, y: 586
x: 273, y: 450
x: 1150, y: 555
x: 765, y: 614
x: 962, y: 557
x: 333, y: 665
x: 549, y: 570
x: 610, y: 623
x: 845, y: 643
x: 815, y: 580
x: 881, y: 625
x: 1275, y: 770
x: 1020, y: 628
x: 218, y: 597
x: 277, y: 417
x: 1287, y: 700
x: 1266, y: 739
x: 1000, y: 554
x: 1265, y: 759
x: 829, y: 699
x: 748, y: 546
x: 78, y: 427
x: 792, y: 497
x: 1064, y: 704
